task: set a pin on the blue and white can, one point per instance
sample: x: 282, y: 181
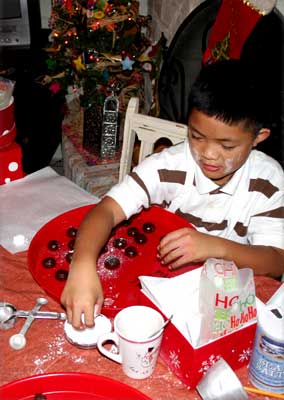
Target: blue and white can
x: 266, y: 368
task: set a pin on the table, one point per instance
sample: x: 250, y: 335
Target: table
x: 84, y: 168
x: 47, y: 350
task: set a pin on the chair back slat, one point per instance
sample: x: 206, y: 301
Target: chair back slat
x: 148, y: 130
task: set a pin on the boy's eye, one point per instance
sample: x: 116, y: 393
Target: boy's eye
x: 194, y: 136
x: 228, y: 147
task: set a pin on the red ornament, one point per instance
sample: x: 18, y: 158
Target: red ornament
x: 68, y: 4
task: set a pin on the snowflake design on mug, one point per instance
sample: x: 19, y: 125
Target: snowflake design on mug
x: 174, y: 359
x: 205, y: 365
x: 245, y: 355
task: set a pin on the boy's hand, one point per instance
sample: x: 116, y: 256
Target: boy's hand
x: 82, y: 294
x: 185, y: 246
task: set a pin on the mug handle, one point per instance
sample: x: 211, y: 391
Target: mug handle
x: 109, y: 337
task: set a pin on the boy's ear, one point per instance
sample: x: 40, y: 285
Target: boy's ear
x: 261, y: 136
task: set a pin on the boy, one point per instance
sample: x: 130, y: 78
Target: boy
x: 233, y: 194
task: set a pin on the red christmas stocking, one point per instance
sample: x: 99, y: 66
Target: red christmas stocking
x: 234, y: 23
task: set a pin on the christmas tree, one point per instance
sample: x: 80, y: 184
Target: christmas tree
x: 98, y: 45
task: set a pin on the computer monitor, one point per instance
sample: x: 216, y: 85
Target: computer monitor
x: 16, y: 21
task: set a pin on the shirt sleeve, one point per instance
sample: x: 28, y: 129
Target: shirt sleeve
x: 267, y: 223
x: 143, y: 186
x: 267, y: 228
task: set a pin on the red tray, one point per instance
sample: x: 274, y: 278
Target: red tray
x: 121, y: 285
x: 69, y: 386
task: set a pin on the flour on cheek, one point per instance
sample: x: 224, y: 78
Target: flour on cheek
x: 231, y: 164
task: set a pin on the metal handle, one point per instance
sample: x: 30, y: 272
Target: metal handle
x: 30, y: 318
x: 41, y: 315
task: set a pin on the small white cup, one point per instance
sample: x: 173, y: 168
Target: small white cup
x: 137, y: 349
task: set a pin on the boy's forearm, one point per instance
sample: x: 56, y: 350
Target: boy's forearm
x: 264, y: 260
x: 91, y: 237
x: 94, y: 232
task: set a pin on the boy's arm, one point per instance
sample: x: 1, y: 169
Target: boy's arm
x: 187, y: 245
x: 264, y: 260
x: 83, y: 288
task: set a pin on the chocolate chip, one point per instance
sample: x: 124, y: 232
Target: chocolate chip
x: 53, y: 245
x: 72, y: 231
x: 148, y: 227
x: 71, y: 244
x: 126, y: 222
x: 49, y: 262
x: 40, y: 396
x: 61, y: 274
x: 112, y: 262
x: 140, y: 238
x: 119, y: 243
x: 132, y: 231
x: 131, y: 251
x: 69, y: 257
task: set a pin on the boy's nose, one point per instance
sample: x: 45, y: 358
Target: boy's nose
x: 210, y: 152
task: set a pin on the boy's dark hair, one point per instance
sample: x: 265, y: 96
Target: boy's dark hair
x: 233, y: 93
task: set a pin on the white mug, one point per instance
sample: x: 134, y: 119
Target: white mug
x: 137, y: 347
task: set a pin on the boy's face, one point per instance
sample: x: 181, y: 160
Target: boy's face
x: 218, y: 148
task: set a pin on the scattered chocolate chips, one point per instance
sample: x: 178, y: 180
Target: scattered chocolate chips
x: 119, y: 243
x: 69, y: 257
x: 53, y: 245
x: 112, y: 262
x: 72, y: 232
x: 148, y: 227
x: 132, y: 231
x: 61, y: 274
x: 140, y: 238
x: 49, y: 262
x: 131, y: 251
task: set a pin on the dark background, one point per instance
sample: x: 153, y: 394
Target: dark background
x: 38, y: 112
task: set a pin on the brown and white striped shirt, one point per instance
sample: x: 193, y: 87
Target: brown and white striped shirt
x: 248, y: 209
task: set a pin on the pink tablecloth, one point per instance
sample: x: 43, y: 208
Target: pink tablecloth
x: 48, y: 351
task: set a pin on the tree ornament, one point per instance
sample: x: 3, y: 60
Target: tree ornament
x: 68, y: 4
x: 127, y: 63
x: 90, y: 57
x: 110, y: 124
x: 78, y: 64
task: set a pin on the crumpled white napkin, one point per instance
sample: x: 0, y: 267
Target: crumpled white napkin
x: 29, y: 203
x: 178, y: 296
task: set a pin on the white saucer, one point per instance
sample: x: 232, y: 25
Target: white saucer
x: 87, y: 338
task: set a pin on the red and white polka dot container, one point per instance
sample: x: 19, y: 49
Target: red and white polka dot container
x: 8, y: 137
x: 10, y: 163
x: 10, y: 152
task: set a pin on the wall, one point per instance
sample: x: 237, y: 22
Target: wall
x: 45, y: 11
x: 168, y: 15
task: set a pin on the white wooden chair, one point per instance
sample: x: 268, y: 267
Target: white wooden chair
x: 149, y: 130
